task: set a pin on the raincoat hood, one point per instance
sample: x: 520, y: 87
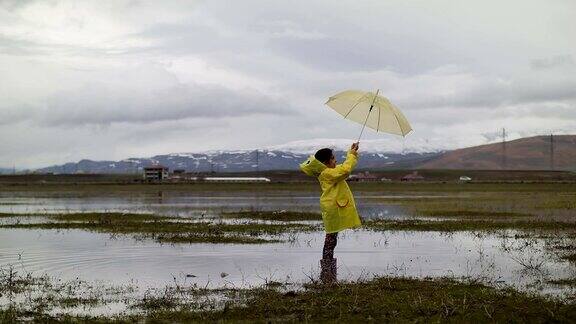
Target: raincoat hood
x: 312, y: 166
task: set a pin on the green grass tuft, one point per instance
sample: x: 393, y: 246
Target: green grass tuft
x: 167, y: 229
x: 383, y: 300
x: 283, y: 216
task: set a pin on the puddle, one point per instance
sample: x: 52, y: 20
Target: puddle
x: 176, y: 204
x: 75, y: 254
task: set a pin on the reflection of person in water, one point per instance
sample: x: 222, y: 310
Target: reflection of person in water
x: 337, y: 203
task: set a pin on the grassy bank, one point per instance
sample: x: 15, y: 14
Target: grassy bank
x: 382, y: 299
x: 165, y: 229
x: 281, y: 216
x: 387, y: 299
x: 465, y: 225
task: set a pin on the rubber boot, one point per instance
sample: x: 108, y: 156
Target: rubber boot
x: 328, y: 271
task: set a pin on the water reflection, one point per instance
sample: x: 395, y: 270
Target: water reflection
x: 177, y: 204
x: 95, y: 256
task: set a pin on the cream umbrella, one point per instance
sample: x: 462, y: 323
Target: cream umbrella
x: 370, y: 109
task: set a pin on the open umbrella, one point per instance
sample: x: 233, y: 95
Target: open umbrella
x: 370, y: 109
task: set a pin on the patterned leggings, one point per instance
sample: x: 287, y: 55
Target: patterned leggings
x: 329, y: 245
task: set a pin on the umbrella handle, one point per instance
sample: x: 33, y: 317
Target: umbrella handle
x: 368, y: 115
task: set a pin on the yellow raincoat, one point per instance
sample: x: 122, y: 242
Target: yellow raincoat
x: 337, y: 203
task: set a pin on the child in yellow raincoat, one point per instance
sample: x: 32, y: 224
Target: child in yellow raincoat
x: 337, y: 203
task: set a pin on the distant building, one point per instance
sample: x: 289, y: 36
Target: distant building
x: 414, y: 176
x: 155, y: 173
x: 363, y: 177
x: 180, y: 175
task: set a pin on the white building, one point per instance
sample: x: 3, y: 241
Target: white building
x: 156, y: 173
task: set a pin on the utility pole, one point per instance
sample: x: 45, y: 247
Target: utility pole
x: 551, y: 151
x: 504, y: 149
x: 257, y: 162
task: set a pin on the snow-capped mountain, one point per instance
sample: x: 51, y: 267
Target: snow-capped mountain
x: 532, y: 153
x: 6, y: 171
x: 236, y: 161
x: 393, y: 145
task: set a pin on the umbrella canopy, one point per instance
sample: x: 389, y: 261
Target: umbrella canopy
x: 371, y: 110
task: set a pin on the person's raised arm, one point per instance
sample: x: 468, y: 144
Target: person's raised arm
x: 342, y: 171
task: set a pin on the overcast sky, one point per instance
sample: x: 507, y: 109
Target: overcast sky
x: 117, y: 79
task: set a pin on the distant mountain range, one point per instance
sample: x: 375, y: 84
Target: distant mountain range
x: 529, y: 153
x: 6, y: 171
x: 233, y: 162
x: 532, y: 153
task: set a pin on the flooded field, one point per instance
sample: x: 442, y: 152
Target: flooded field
x: 93, y: 256
x: 146, y: 241
x: 190, y: 205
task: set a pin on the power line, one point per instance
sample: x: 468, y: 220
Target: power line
x: 257, y: 162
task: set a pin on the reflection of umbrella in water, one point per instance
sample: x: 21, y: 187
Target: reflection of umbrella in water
x: 370, y: 109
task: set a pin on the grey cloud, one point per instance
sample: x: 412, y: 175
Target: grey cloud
x: 184, y: 38
x: 329, y: 54
x: 22, y: 48
x: 16, y: 47
x: 10, y: 114
x: 492, y: 136
x: 564, y: 111
x: 369, y: 53
x: 560, y: 61
x: 91, y: 101
x: 165, y: 130
x: 100, y: 104
x: 336, y: 46
x: 493, y: 93
x: 15, y: 4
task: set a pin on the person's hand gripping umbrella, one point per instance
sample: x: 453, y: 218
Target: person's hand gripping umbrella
x: 370, y: 109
